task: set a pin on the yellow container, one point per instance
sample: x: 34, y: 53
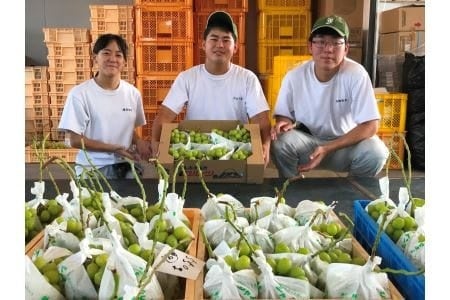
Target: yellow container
x: 394, y: 142
x: 392, y: 107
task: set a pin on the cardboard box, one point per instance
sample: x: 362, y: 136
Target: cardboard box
x: 399, y: 42
x: 406, y: 18
x: 355, y: 13
x: 250, y: 170
x: 355, y: 53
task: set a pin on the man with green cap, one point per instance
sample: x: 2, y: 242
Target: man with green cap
x: 326, y: 112
x: 217, y: 89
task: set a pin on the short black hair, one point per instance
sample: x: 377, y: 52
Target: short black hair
x: 104, y: 39
x: 326, y: 31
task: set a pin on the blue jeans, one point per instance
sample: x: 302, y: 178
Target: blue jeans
x: 293, y: 148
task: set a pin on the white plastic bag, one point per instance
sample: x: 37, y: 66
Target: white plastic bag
x: 220, y: 230
x: 300, y: 236
x: 262, y: 206
x: 36, y: 286
x: 413, y: 242
x: 351, y: 281
x: 222, y: 283
x: 275, y: 221
x: 215, y: 208
x: 271, y: 286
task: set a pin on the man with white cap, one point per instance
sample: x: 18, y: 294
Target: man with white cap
x: 326, y: 112
x: 217, y: 89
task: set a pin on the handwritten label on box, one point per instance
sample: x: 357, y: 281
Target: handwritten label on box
x: 179, y: 264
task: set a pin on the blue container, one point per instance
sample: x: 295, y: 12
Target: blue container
x: 365, y: 231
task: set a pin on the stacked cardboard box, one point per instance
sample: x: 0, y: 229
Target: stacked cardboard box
x: 401, y: 29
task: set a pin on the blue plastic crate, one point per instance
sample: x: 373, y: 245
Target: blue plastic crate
x: 365, y: 231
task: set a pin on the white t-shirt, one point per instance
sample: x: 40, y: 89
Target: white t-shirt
x: 235, y: 95
x: 103, y: 115
x: 329, y: 109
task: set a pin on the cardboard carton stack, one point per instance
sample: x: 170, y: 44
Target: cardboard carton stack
x: 401, y: 29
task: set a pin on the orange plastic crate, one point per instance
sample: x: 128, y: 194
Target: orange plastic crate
x: 70, y: 76
x: 37, y: 99
x: 66, y: 35
x: 61, y: 86
x: 392, y: 107
x: 68, y: 155
x: 69, y: 63
x: 394, y: 142
x: 238, y: 57
x: 57, y: 98
x: 150, y: 115
x: 271, y: 5
x: 35, y: 73
x: 36, y: 87
x: 57, y: 135
x: 154, y: 89
x: 69, y: 50
x: 200, y: 19
x: 37, y: 112
x: 112, y: 18
x: 164, y: 24
x: 127, y: 35
x: 268, y: 50
x: 284, y: 25
x: 163, y: 57
x: 226, y: 5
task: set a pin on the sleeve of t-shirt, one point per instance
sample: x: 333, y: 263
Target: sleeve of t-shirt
x: 178, y: 94
x: 256, y: 100
x: 74, y: 116
x: 364, y: 104
x: 140, y: 114
x: 284, y: 105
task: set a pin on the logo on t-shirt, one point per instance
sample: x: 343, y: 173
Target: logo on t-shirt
x: 341, y: 100
x: 126, y: 109
x: 237, y: 98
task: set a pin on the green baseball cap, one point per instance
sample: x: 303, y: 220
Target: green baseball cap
x: 334, y: 22
x: 222, y: 19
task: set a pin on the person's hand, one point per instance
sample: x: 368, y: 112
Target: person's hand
x: 143, y: 149
x: 280, y: 127
x: 266, y: 154
x: 314, y: 159
x: 155, y: 149
x: 125, y: 153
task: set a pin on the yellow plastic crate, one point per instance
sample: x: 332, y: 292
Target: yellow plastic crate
x: 271, y: 5
x: 284, y: 25
x: 268, y: 50
x: 281, y: 65
x: 394, y: 141
x: 392, y: 107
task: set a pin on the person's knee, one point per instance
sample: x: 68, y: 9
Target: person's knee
x: 370, y: 158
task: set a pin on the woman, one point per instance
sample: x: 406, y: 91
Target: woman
x: 102, y: 113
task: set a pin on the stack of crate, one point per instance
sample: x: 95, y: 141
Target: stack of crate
x: 164, y: 48
x: 37, y: 104
x: 116, y: 19
x: 237, y: 10
x: 283, y: 30
x: 69, y: 64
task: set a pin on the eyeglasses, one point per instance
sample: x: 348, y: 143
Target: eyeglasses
x: 321, y: 44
